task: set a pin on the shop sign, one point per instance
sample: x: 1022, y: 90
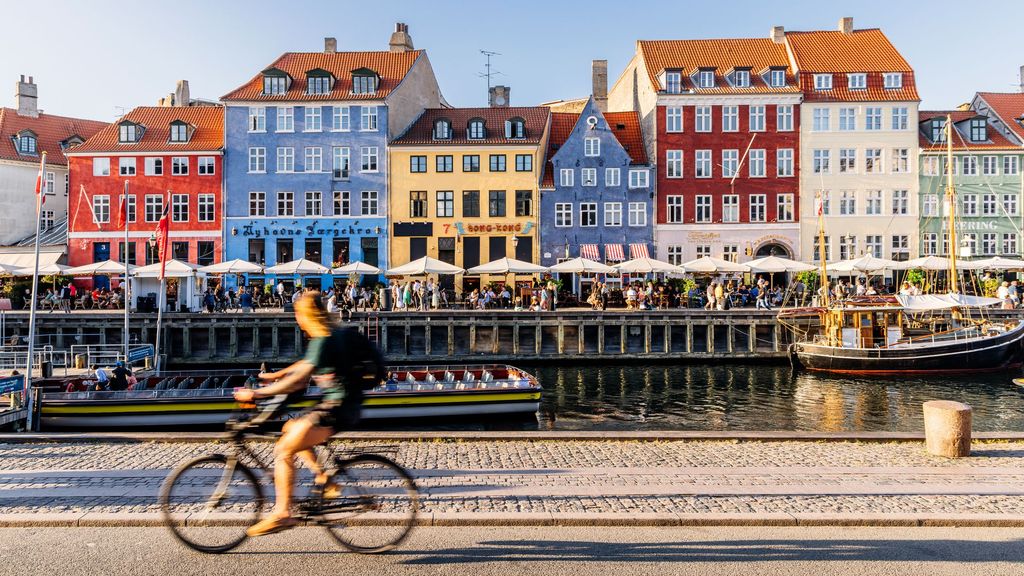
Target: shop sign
x: 254, y: 229
x: 504, y: 227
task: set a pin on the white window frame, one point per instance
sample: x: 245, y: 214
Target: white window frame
x: 857, y: 81
x: 342, y: 203
x: 900, y: 161
x: 588, y: 176
x: 847, y: 119
x: 285, y: 119
x: 206, y: 166
x: 702, y: 119
x: 257, y: 204
x: 563, y: 215
x: 873, y: 161
x: 730, y: 208
x: 784, y: 163
x: 673, y: 164
x: 639, y: 179
x: 848, y: 203
x: 674, y: 210
x: 588, y: 214
x: 100, y: 209
x: 207, y: 207
x: 785, y: 207
x: 821, y: 161
x: 900, y: 118
x: 730, y: 118
x: 730, y: 162
x: 821, y: 119
x: 257, y: 158
x: 637, y: 214
x: 929, y: 205
x: 613, y: 214
x: 1011, y: 165
x: 314, y: 203
x: 702, y: 164
x: 674, y: 119
x: 612, y: 177
x: 704, y: 212
x: 673, y: 82
x: 257, y: 119
x: 873, y: 203
x: 1010, y: 203
x: 180, y: 208
x: 126, y: 166
x: 566, y: 177
x: 285, y: 203
x: 313, y: 160
x: 285, y: 160
x: 313, y: 119
x: 872, y: 118
x: 591, y: 147
x: 784, y: 118
x: 369, y: 160
x: 153, y: 207
x: 757, y: 165
x: 179, y: 166
x: 758, y: 208
x: 847, y: 160
x: 369, y: 203
x: 101, y: 167
x: 756, y: 120
x: 341, y: 118
x: 900, y: 202
x: 989, y: 165
x: 893, y: 80
x: 822, y: 82
x: 368, y: 119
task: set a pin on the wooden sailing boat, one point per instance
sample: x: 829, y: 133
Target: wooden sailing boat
x: 905, y: 334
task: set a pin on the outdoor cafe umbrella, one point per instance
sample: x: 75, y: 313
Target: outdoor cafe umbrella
x: 866, y: 264
x: 778, y: 264
x: 935, y: 264
x: 711, y: 265
x: 647, y: 266
x: 236, y: 266
x: 52, y: 269
x: 999, y: 263
x: 424, y: 266
x: 356, y: 267
x: 105, y: 268
x: 582, y: 266
x: 300, y: 267
x: 507, y: 266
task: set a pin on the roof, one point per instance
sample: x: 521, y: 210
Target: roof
x: 723, y: 55
x: 422, y: 130
x: 391, y: 67
x: 207, y: 121
x: 50, y: 131
x: 996, y: 141
x: 575, y: 105
x: 56, y: 235
x: 1009, y: 106
x: 624, y: 125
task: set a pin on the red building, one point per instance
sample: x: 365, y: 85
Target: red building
x: 166, y: 154
x: 724, y: 115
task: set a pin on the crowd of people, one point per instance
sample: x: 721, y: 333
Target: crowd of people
x: 68, y: 297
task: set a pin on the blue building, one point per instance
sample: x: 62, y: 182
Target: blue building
x: 597, y: 194
x: 306, y: 159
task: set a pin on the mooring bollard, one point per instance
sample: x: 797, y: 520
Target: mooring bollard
x: 947, y: 428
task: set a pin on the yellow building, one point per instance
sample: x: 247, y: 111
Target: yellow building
x: 463, y: 187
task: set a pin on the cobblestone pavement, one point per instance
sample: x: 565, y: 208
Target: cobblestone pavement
x: 577, y: 477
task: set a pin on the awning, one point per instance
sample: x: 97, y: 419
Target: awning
x: 590, y: 252
x: 28, y: 259
x: 613, y: 253
x: 638, y: 251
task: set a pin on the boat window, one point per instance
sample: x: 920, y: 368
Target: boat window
x: 865, y: 320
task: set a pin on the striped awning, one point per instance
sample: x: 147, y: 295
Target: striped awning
x: 638, y: 251
x: 613, y: 253
x: 590, y: 252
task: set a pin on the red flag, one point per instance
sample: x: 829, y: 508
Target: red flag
x: 163, y: 229
x: 122, y: 212
x: 40, y: 187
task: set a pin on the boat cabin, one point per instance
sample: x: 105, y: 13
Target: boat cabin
x: 854, y: 327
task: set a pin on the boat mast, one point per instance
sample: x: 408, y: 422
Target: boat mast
x: 822, y: 248
x: 951, y: 202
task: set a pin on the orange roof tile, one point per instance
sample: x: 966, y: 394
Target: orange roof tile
x: 390, y: 66
x: 422, y: 130
x: 50, y: 131
x: 1009, y: 106
x: 625, y: 126
x: 724, y: 55
x: 996, y: 141
x: 207, y: 121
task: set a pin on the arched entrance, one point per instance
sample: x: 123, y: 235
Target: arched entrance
x: 773, y: 249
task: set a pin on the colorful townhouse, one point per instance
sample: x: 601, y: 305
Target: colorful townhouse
x: 858, y: 143
x: 723, y: 134
x: 306, y: 174
x: 26, y: 132
x: 164, y: 155
x: 987, y: 174
x: 464, y: 186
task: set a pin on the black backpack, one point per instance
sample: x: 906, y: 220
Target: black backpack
x: 361, y: 366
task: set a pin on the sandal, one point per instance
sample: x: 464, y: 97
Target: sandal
x: 271, y: 526
x: 330, y: 490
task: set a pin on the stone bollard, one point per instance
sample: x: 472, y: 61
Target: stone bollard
x: 947, y: 428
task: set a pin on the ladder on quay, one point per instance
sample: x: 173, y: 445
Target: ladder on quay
x: 371, y: 329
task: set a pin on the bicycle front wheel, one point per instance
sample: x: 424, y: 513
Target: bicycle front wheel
x: 208, y: 503
x: 376, y: 507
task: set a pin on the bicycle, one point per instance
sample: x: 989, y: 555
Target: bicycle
x: 208, y: 502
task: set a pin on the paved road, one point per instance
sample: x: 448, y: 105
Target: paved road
x: 510, y: 550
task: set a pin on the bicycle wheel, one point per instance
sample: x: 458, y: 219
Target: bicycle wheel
x: 209, y: 502
x: 376, y: 508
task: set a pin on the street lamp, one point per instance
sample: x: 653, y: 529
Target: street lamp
x: 966, y: 247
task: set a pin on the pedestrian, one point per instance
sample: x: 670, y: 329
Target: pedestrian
x: 119, y: 377
x: 720, y: 296
x: 280, y: 292
x: 101, y: 376
x: 604, y: 296
x: 245, y: 301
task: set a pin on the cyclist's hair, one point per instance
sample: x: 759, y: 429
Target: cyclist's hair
x: 310, y: 311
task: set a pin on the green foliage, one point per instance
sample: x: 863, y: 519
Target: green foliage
x: 915, y: 277
x: 990, y: 286
x: 809, y: 278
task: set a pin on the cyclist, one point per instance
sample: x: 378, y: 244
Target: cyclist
x: 343, y: 362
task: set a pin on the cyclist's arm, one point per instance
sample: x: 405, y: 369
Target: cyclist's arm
x: 297, y: 379
x: 282, y: 372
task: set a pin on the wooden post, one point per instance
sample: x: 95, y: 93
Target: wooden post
x: 451, y: 338
x: 600, y: 339
x: 647, y: 337
x: 581, y: 345
x: 472, y: 338
x: 689, y: 337
x: 623, y: 335
x: 515, y: 339
x: 711, y: 338
x: 730, y: 338
x: 275, y: 340
x: 186, y: 342
x: 255, y: 341
x: 561, y: 338
x: 752, y: 339
x: 668, y: 338
x: 538, y: 340
x: 777, y: 333
x: 429, y: 334
x: 947, y: 428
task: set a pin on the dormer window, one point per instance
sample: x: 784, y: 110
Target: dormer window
x: 364, y: 81
x: 937, y: 129
x: 777, y: 77
x: 476, y: 130
x: 893, y: 80
x: 26, y: 142
x: 319, y: 82
x: 71, y: 142
x: 822, y: 81
x: 129, y: 133
x: 442, y: 129
x: 706, y: 78
x: 179, y: 131
x: 857, y: 81
x: 673, y: 82
x: 275, y: 82
x: 978, y: 130
x: 515, y: 128
x: 741, y: 78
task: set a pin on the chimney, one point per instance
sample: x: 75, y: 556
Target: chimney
x: 498, y: 97
x: 330, y: 45
x: 1022, y: 79
x: 26, y: 97
x: 181, y: 94
x: 846, y: 25
x: 599, y: 83
x: 778, y: 34
x: 400, y: 39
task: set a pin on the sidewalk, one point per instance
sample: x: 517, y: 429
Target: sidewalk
x: 581, y: 482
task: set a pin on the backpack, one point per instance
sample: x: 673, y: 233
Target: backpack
x: 361, y: 366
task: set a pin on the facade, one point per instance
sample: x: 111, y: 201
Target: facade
x: 464, y: 185
x: 988, y: 177
x: 858, y: 142
x: 596, y: 198
x: 307, y: 164
x: 25, y: 132
x: 163, y: 154
x: 723, y: 134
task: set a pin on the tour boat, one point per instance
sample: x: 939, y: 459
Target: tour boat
x: 191, y: 399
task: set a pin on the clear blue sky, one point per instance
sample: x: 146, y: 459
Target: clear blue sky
x: 92, y: 57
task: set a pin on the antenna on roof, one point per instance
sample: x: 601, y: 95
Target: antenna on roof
x: 489, y: 73
x: 120, y: 110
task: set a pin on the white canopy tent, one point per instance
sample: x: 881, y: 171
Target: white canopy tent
x: 582, y: 266
x: 866, y: 264
x: 146, y: 280
x: 424, y: 266
x: 356, y: 267
x: 936, y: 264
x: 48, y: 269
x: 9, y: 270
x: 711, y: 265
x: 300, y: 267
x: 647, y: 266
x: 777, y: 264
x: 236, y: 266
x: 105, y: 268
x: 507, y: 266
x: 925, y: 302
x: 999, y: 263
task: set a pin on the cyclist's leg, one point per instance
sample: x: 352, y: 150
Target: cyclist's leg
x: 300, y: 436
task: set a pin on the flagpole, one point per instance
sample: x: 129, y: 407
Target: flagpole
x: 126, y: 289
x: 159, y: 321
x: 35, y: 287
x: 163, y: 231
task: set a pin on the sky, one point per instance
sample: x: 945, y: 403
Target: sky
x: 98, y: 58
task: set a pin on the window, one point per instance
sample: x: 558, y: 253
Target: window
x: 613, y: 214
x: 757, y: 118
x: 471, y: 203
x: 154, y: 207
x: 207, y: 165
x: 179, y: 166
x: 955, y: 166
x: 1010, y: 244
x: 703, y: 213
x: 179, y: 132
x: 342, y: 164
x: 563, y: 215
x: 900, y: 247
x: 1010, y: 165
x: 900, y: 116
x: 730, y: 162
x: 47, y: 218
x: 970, y: 204
x: 314, y: 203
x: 930, y: 165
x: 524, y: 203
x: 930, y: 205
x: 130, y: 208
x: 784, y: 208
x: 67, y: 184
x: 205, y: 251
x: 730, y: 208
x: 101, y: 209
x: 497, y: 162
x: 591, y: 147
x: 702, y: 164
x: 417, y: 164
x: 588, y: 176
x: 893, y: 80
x: 275, y: 84
x: 970, y: 242
x: 873, y: 161
x: 637, y: 214
x: 757, y: 163
x: 730, y: 118
x: 847, y: 119
x: 988, y: 243
x: 673, y: 82
x: 857, y: 81
x: 822, y: 161
x: 970, y: 166
x: 817, y: 247
x: 471, y: 163
x: 257, y: 160
x: 784, y: 118
x: 128, y: 132
x: 364, y: 83
x: 900, y: 202
x: 342, y: 203
x: 873, y: 118
x: 313, y: 119
x: 847, y: 247
x: 179, y: 207
x: 496, y: 203
x: 565, y: 177
x: 988, y: 165
x: 476, y: 129
x: 285, y: 119
x: 126, y: 166
x: 418, y: 204
x: 101, y: 166
x: 873, y: 245
x: 524, y: 163
x: 368, y: 119
x: 368, y: 159
x: 442, y: 129
x: 319, y: 84
x: 612, y: 177
x: 847, y: 160
x: 989, y: 205
x: 703, y: 250
x: 673, y: 163
x: 822, y: 81
x: 938, y: 130
x: 257, y: 204
x: 341, y: 119
x: 285, y: 204
x: 741, y: 78
x: 674, y: 208
x: 873, y: 203
x: 824, y: 197
x: 702, y: 118
x: 706, y: 79
x: 1010, y: 204
x: 368, y: 202
x: 758, y: 208
x: 822, y: 119
x: 929, y: 244
x: 848, y: 203
x: 673, y: 119
x: 285, y: 159
x: 257, y: 119
x: 445, y: 204
x: 27, y: 144
x: 784, y: 162
x: 638, y: 178
x: 900, y: 160
x: 588, y: 214
x: 207, y: 205
x: 777, y: 77
x: 444, y: 163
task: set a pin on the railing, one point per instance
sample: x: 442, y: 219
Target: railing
x: 13, y: 357
x: 99, y: 354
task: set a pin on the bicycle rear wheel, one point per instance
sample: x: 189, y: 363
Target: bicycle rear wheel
x: 377, y: 507
x: 209, y: 502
